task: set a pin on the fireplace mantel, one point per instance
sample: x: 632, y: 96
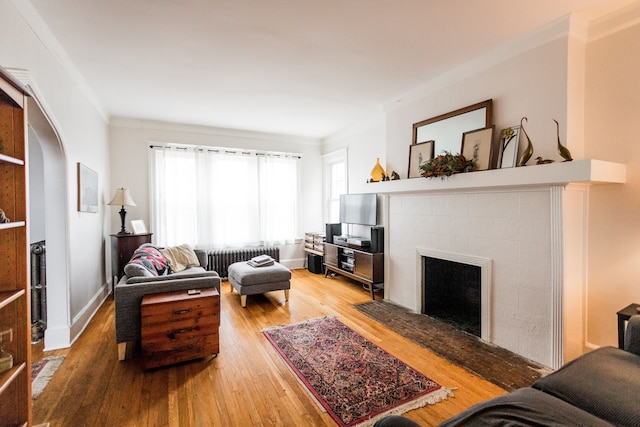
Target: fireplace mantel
x: 530, y: 221
x: 552, y: 174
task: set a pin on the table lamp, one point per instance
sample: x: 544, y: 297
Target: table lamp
x: 122, y: 198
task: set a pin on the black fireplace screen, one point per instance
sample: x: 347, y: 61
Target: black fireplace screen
x: 452, y: 293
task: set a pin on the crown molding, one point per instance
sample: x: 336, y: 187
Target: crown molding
x: 157, y: 125
x: 24, y: 76
x: 613, y: 22
x: 585, y: 26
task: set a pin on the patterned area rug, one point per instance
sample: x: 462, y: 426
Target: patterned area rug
x: 41, y: 373
x: 353, y: 379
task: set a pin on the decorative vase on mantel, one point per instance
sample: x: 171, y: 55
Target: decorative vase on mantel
x: 377, y: 173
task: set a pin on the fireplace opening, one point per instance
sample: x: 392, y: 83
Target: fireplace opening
x: 452, y: 293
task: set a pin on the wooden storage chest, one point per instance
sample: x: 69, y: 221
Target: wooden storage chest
x: 178, y: 326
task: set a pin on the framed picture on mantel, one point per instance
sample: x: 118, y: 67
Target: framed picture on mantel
x: 508, y: 155
x: 477, y: 145
x: 418, y: 154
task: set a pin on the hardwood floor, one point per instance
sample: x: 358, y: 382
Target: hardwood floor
x: 247, y: 384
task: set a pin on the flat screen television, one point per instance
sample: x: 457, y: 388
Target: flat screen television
x: 359, y: 209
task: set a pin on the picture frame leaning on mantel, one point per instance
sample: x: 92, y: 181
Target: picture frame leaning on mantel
x: 418, y: 154
x: 478, y: 145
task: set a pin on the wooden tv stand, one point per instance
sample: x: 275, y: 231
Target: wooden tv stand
x: 360, y: 265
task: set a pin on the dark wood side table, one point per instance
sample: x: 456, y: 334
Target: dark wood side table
x: 122, y: 248
x: 623, y: 316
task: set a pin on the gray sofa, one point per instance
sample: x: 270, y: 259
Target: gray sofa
x: 599, y: 388
x: 130, y: 290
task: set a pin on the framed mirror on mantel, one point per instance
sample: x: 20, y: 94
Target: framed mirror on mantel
x: 446, y: 130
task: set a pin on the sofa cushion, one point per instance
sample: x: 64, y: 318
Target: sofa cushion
x: 524, y: 407
x: 189, y: 273
x: 150, y: 258
x: 603, y: 382
x: 180, y: 257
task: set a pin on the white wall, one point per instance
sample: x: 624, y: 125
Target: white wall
x: 591, y: 87
x: 129, y: 151
x: 612, y: 127
x: 84, y: 137
x: 511, y: 228
x: 531, y: 84
x: 36, y: 191
x: 366, y: 142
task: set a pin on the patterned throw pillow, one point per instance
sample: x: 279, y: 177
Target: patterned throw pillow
x: 149, y: 257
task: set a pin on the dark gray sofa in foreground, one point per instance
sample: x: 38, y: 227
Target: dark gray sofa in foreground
x: 600, y: 388
x: 130, y: 290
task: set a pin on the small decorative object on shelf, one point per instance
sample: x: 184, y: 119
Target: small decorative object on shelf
x: 528, y: 151
x: 377, y: 173
x: 446, y: 165
x: 564, y: 151
x: 541, y: 161
x: 394, y: 176
x: 6, y: 359
x: 3, y: 218
x: 508, y: 154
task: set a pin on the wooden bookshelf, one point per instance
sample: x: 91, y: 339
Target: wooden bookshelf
x: 15, y: 322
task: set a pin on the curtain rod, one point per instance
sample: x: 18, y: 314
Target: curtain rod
x: 228, y: 150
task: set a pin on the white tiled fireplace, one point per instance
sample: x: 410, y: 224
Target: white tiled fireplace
x: 528, y: 223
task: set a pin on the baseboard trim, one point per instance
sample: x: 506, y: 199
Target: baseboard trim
x: 57, y: 338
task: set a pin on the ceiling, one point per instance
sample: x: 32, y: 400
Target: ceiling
x: 300, y: 67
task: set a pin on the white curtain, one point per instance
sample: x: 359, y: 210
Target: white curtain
x: 223, y: 198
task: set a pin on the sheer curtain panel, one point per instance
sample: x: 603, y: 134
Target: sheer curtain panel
x: 223, y: 198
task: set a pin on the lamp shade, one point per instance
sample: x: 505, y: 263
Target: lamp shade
x: 122, y: 198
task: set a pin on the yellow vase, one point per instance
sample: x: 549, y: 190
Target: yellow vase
x: 377, y: 172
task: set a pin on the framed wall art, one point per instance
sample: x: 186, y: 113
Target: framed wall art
x: 508, y: 149
x: 477, y: 145
x: 418, y: 154
x: 87, y: 189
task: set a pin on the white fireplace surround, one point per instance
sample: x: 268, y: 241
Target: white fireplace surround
x: 485, y: 282
x: 530, y: 222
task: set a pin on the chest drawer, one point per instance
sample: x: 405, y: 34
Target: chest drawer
x: 171, y: 311
x: 167, y: 353
x: 180, y: 329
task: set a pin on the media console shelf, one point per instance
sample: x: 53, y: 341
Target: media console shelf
x: 358, y: 264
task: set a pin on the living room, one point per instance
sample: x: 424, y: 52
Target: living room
x: 580, y: 71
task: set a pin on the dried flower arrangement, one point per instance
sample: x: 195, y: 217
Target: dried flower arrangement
x: 446, y: 165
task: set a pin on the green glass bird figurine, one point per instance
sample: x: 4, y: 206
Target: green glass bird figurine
x: 528, y: 152
x: 564, y: 151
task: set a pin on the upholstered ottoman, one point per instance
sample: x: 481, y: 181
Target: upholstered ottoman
x: 248, y: 280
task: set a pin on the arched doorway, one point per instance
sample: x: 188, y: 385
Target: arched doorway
x: 48, y: 221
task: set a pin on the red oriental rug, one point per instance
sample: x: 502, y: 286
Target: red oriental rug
x: 353, y: 379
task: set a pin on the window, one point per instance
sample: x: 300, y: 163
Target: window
x: 335, y: 183
x: 222, y: 198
